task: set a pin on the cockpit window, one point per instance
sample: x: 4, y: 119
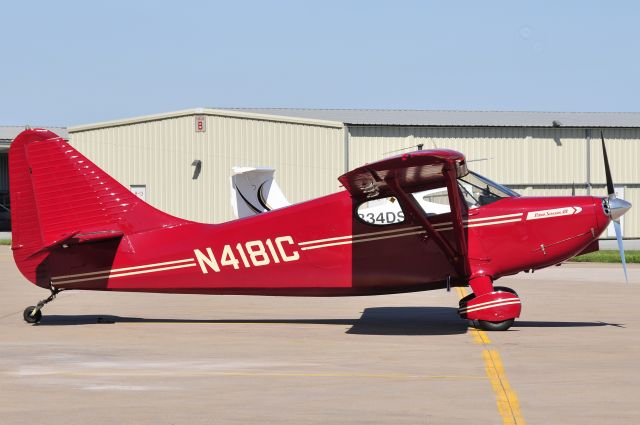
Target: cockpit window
x: 478, y: 190
x: 434, y: 201
x: 475, y: 189
x: 381, y: 212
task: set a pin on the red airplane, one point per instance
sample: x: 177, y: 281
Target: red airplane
x: 75, y: 227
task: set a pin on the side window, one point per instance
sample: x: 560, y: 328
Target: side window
x: 381, y: 212
x: 434, y: 201
x: 470, y: 194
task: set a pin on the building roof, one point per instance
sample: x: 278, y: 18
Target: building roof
x: 233, y: 113
x: 399, y: 117
x: 387, y: 117
x: 9, y: 132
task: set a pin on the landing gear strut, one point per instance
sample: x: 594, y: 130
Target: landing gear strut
x: 33, y: 314
x: 490, y: 308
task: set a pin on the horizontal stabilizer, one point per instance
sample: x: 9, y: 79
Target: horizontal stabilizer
x: 79, y: 237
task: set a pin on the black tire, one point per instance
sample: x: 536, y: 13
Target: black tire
x: 466, y: 299
x: 485, y: 325
x: 32, y: 318
x: 505, y: 289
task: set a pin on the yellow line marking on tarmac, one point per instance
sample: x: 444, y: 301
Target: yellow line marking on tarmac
x: 130, y: 373
x: 480, y: 337
x: 506, y: 397
x: 10, y: 314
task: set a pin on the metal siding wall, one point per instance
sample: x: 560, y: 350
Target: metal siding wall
x: 623, y: 149
x: 548, y: 191
x: 631, y: 221
x: 519, y: 156
x: 503, y: 154
x: 159, y: 154
x: 4, y: 172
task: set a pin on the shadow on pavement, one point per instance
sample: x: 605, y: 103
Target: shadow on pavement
x: 539, y: 324
x: 409, y: 321
x: 374, y: 321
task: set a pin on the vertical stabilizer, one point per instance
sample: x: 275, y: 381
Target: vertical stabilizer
x: 59, y: 196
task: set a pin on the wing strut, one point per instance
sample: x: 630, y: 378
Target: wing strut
x: 456, y: 218
x: 413, y: 208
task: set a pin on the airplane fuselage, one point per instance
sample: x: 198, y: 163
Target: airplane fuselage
x: 321, y: 248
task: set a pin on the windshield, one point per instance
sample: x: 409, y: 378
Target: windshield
x: 478, y: 191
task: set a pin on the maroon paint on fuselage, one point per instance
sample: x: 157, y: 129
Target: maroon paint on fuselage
x: 324, y: 249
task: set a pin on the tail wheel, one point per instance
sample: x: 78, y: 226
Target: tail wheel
x: 485, y: 325
x: 32, y: 314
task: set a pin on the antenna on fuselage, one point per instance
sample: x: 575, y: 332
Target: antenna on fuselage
x: 479, y: 159
x: 418, y: 146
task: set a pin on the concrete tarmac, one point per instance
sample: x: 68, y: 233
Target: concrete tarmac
x: 117, y: 358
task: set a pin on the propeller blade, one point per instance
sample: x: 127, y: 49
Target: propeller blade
x: 616, y: 226
x: 617, y: 207
x: 610, y: 190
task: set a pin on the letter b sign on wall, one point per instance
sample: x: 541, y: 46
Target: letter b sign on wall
x: 200, y: 124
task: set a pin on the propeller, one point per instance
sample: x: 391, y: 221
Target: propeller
x: 616, y: 207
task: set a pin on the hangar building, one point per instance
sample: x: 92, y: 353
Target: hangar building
x: 7, y: 134
x: 535, y: 153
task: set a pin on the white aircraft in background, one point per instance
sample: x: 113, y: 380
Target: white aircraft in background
x: 254, y: 191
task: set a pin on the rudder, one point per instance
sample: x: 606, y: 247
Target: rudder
x: 57, y: 194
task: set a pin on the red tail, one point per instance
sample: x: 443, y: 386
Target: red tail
x: 59, y: 197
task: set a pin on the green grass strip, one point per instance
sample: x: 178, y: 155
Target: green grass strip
x: 608, y: 257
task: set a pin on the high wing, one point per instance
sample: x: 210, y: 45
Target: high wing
x: 413, y: 172
x: 402, y: 175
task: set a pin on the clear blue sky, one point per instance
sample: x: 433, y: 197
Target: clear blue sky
x: 67, y: 63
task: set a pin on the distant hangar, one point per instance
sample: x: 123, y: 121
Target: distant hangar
x: 535, y: 153
x: 7, y: 134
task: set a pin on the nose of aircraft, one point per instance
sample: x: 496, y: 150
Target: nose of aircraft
x: 617, y: 208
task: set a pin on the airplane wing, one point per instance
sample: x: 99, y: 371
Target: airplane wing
x: 413, y: 172
x: 402, y: 175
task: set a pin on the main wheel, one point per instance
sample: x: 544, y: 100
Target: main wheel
x: 485, y: 325
x: 31, y: 317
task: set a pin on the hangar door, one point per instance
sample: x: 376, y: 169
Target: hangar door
x: 5, y: 218
x: 4, y: 172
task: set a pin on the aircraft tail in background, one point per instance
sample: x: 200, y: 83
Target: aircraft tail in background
x: 254, y: 191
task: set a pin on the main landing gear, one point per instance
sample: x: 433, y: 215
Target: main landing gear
x: 33, y: 314
x: 490, y: 308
